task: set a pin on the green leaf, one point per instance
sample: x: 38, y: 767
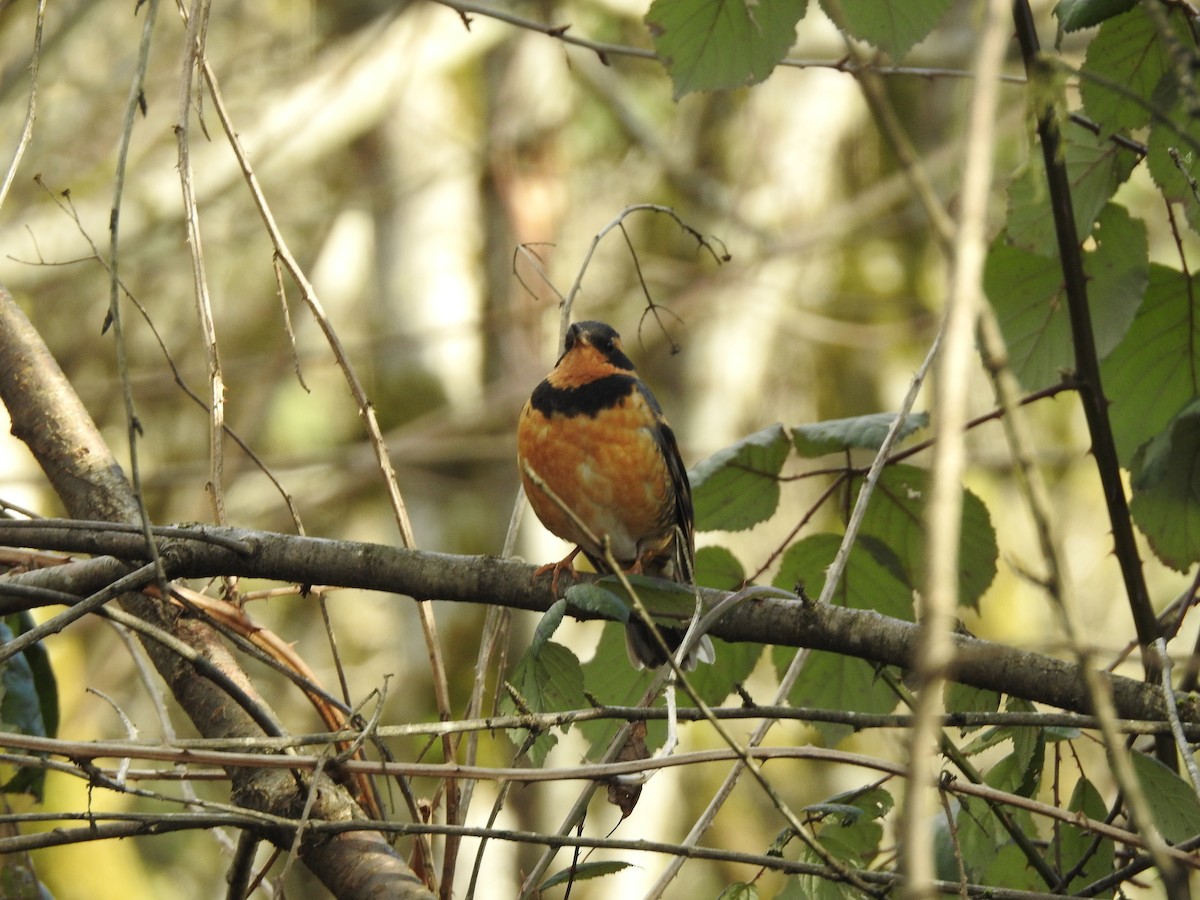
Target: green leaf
x: 595, y: 597
x: 738, y: 487
x: 1118, y: 271
x: 1173, y: 146
x: 832, y: 680
x: 1026, y: 290
x: 1173, y: 160
x: 872, y: 579
x: 893, y: 27
x: 1010, y: 867
x: 28, y: 701
x: 1076, y: 842
x: 1166, y: 492
x: 1076, y: 14
x: 1172, y: 800
x: 669, y: 602
x: 45, y: 685
x: 816, y: 887
x: 1155, y: 371
x: 839, y: 435
x: 710, y: 45
x: 871, y: 803
x: 717, y: 567
x: 854, y: 841
x: 1021, y: 771
x: 733, y: 665
x: 962, y: 698
x: 986, y: 846
x: 896, y: 517
x: 549, y: 680
x: 1096, y: 167
x: 1124, y: 63
x: 739, y: 890
x: 548, y: 624
x: 611, y: 679
x: 584, y: 871
x: 979, y: 833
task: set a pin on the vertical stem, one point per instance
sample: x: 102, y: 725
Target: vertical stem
x: 940, y: 596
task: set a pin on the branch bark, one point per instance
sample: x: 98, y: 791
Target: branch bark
x: 424, y: 575
x: 48, y: 416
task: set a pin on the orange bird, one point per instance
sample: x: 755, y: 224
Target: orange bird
x: 598, y: 460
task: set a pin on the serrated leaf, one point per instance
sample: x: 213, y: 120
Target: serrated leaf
x: 710, y: 45
x: 611, y: 679
x: 1096, y: 167
x: 1076, y: 14
x: 739, y: 890
x: 1010, y: 867
x: 584, y: 871
x: 1026, y: 289
x: 547, y: 625
x: 963, y: 698
x: 978, y: 833
x: 985, y: 845
x: 1118, y: 271
x: 550, y: 680
x: 863, y: 432
x: 1155, y: 371
x: 733, y: 665
x: 1173, y: 160
x: 874, y: 802
x: 1021, y: 771
x: 1166, y: 492
x: 1124, y: 63
x: 717, y: 567
x: 871, y: 579
x: 854, y: 842
x: 738, y: 487
x: 1172, y: 801
x: 893, y: 27
x: 896, y: 517
x: 816, y: 887
x: 832, y: 680
x: 1075, y: 843
x: 842, y: 813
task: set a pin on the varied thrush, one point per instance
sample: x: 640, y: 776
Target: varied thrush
x: 600, y: 463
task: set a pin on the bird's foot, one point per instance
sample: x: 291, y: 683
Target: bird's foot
x: 567, y: 564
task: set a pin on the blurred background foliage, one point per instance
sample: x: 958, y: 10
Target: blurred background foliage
x: 407, y: 155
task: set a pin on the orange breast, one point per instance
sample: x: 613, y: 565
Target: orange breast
x: 607, y: 469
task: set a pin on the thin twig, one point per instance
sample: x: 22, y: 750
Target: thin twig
x: 35, y: 62
x: 132, y: 423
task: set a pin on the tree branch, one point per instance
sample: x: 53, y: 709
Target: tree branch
x: 49, y: 417
x: 510, y: 583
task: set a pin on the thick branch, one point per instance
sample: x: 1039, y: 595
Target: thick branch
x: 482, y: 579
x: 49, y: 417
